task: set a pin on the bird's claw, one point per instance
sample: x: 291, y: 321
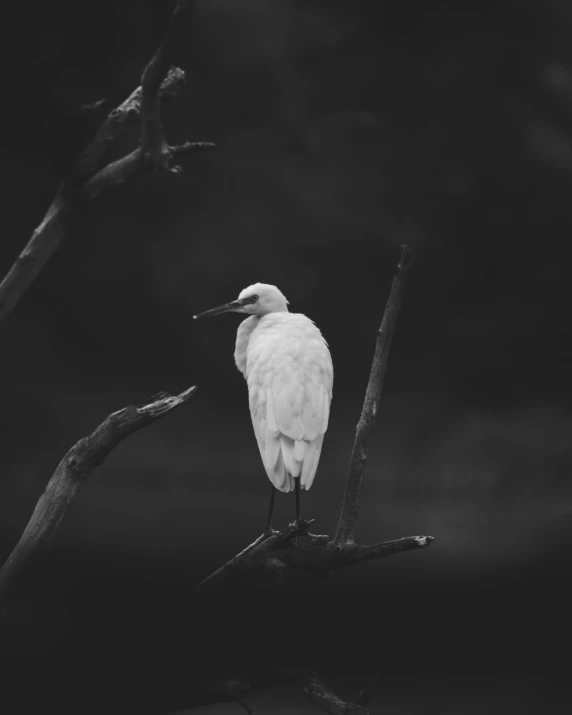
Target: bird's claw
x: 300, y: 526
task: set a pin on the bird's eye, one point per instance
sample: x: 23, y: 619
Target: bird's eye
x: 253, y: 298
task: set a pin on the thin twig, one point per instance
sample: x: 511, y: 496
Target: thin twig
x: 158, y: 82
x: 333, y: 556
x: 350, y: 507
x: 77, y: 464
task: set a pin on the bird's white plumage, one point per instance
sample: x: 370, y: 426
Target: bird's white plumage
x: 289, y: 372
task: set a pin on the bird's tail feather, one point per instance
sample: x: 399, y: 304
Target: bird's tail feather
x: 310, y: 465
x: 287, y: 459
x: 277, y: 471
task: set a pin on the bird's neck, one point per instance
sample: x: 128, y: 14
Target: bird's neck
x: 242, y: 337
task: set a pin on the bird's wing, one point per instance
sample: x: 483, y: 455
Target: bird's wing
x: 268, y: 437
x: 290, y: 388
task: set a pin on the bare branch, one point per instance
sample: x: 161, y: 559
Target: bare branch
x: 158, y: 82
x: 152, y: 142
x: 128, y: 113
x: 265, y: 560
x: 333, y: 556
x: 320, y: 693
x: 78, y: 463
x: 350, y: 507
x: 258, y: 555
x: 119, y: 171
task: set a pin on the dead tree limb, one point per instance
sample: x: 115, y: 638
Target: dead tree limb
x: 78, y: 463
x: 86, y: 182
x: 266, y: 560
x: 350, y: 507
x: 317, y: 690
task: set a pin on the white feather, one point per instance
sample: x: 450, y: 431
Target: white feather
x: 289, y: 373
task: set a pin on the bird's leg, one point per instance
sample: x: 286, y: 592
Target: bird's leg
x: 298, y: 540
x: 297, y: 488
x: 270, y: 508
x: 300, y: 525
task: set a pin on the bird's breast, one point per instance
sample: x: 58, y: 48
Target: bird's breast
x: 285, y: 347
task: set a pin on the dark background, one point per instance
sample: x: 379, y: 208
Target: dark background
x: 343, y: 129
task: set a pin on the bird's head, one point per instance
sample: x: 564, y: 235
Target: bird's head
x: 258, y: 299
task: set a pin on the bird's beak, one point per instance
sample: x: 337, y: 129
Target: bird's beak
x: 232, y: 307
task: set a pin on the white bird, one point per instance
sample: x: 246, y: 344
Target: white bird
x: 288, y: 369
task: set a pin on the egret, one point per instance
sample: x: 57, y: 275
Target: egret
x: 288, y: 369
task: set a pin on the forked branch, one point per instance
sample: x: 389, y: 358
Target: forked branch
x: 266, y: 560
x: 86, y: 182
x: 78, y: 463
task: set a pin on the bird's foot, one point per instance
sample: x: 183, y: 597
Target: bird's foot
x: 300, y: 527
